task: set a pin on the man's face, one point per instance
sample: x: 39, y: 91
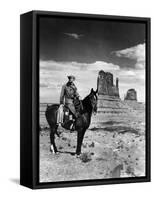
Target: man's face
x: 71, y: 80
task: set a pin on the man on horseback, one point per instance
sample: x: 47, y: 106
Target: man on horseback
x: 89, y: 106
x: 68, y: 96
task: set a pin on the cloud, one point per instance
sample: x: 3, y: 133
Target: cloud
x: 54, y: 74
x: 136, y: 53
x: 52, y: 65
x: 74, y: 35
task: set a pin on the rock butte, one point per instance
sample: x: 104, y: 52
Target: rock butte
x: 131, y: 95
x: 109, y: 99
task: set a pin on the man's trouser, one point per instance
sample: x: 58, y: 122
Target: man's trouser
x: 72, y: 108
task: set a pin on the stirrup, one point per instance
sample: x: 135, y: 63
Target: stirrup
x: 72, y: 127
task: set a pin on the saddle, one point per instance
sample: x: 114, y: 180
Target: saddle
x: 65, y: 116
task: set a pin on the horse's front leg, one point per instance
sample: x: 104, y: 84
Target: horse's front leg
x: 53, y: 147
x: 80, y: 136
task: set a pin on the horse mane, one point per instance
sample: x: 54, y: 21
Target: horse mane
x: 86, y: 104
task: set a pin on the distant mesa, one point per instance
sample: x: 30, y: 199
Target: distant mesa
x: 108, y: 93
x: 109, y: 101
x: 106, y: 86
x: 131, y: 95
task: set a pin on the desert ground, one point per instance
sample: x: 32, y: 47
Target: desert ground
x: 113, y: 147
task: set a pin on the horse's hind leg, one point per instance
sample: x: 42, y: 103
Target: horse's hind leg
x: 53, y: 147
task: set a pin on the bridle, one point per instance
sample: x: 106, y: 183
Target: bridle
x: 93, y: 100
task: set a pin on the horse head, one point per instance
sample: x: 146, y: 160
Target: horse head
x: 93, y: 99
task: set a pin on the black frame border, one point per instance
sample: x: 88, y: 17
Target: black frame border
x: 33, y: 173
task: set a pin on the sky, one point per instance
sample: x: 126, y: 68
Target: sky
x: 83, y: 47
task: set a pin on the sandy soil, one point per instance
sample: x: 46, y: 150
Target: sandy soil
x: 113, y: 146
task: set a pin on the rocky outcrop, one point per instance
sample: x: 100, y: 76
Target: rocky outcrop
x: 108, y: 94
x: 105, y: 84
x: 131, y: 95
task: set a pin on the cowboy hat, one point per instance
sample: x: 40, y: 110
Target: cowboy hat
x: 71, y: 76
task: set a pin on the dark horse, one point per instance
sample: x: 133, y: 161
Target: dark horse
x: 81, y: 124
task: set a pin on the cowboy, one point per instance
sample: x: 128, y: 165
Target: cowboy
x: 68, y: 94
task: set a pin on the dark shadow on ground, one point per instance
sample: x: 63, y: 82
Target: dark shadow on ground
x: 110, y: 122
x: 119, y: 129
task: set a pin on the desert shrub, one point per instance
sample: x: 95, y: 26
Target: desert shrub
x: 85, y: 157
x: 130, y: 170
x: 84, y: 145
x: 92, y: 144
x: 64, y: 138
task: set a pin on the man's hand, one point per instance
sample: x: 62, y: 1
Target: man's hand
x: 80, y: 98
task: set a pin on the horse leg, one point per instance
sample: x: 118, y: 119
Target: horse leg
x: 80, y: 136
x: 53, y: 147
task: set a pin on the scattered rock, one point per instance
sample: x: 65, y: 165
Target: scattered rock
x: 84, y: 145
x: 92, y: 145
x: 85, y: 157
x: 116, y: 172
x: 64, y: 138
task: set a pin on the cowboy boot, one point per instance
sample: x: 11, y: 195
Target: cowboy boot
x: 72, y: 127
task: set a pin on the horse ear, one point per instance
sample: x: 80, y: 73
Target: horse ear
x: 92, y: 90
x: 96, y: 91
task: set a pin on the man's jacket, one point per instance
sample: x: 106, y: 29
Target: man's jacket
x: 68, y: 93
